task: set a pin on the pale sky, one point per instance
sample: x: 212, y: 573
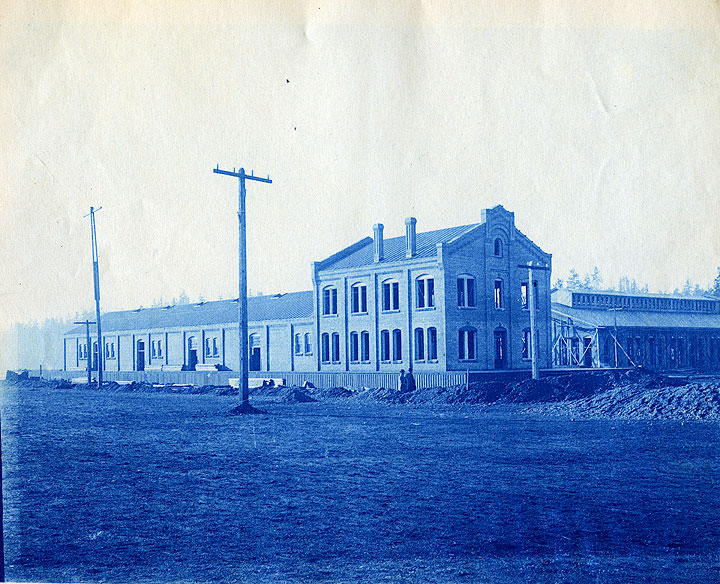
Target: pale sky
x: 599, y: 126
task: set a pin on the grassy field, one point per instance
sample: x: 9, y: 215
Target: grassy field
x: 142, y: 487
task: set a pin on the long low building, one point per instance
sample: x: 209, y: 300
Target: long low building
x: 602, y: 328
x: 454, y: 299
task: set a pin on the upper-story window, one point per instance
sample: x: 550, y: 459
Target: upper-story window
x: 391, y: 295
x: 329, y: 300
x: 498, y: 247
x: 525, y: 297
x: 466, y: 291
x: 358, y: 299
x: 498, y: 294
x: 425, y: 292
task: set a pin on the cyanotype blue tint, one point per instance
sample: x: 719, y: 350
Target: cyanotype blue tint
x: 127, y: 486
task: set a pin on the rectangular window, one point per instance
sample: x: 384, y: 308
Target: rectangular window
x: 419, y: 344
x: 298, y: 344
x: 471, y: 292
x: 432, y: 344
x: 112, y: 350
x: 498, y: 297
x: 524, y: 295
x: 159, y: 349
x: 420, y: 293
x: 365, y: 345
x: 325, y: 348
x: 431, y: 292
x: 152, y: 349
x: 385, y: 345
x: 354, y: 348
x: 336, y: 347
x: 216, y: 353
x: 308, y: 344
x: 397, y: 345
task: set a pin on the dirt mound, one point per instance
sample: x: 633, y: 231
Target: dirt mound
x: 292, y: 395
x: 693, y: 401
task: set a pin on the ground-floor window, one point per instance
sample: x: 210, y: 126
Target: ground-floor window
x: 325, y: 348
x: 385, y: 345
x: 466, y: 344
x: 432, y: 344
x: 354, y: 347
x: 365, y: 346
x: 336, y: 347
x: 526, y: 344
x: 419, y: 344
x: 397, y: 345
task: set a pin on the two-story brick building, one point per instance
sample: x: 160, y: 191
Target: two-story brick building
x: 453, y: 299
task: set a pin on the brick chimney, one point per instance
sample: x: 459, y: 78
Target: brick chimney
x: 378, y: 242
x: 410, y: 237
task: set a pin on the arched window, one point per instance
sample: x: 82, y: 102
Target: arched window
x: 329, y: 306
x: 385, y: 345
x: 365, y: 346
x: 325, y: 348
x: 425, y: 292
x: 358, y: 298
x: 397, y: 345
x: 336, y: 347
x: 354, y: 347
x: 466, y: 291
x: 466, y: 343
x: 419, y: 344
x: 390, y: 295
x: 432, y: 344
x: 298, y: 344
x: 308, y: 344
x: 498, y: 247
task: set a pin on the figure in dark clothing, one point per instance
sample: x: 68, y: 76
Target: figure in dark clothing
x: 402, y: 382
x: 410, y: 381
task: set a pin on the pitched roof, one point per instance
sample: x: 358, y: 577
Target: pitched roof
x: 637, y: 318
x: 637, y: 293
x: 394, y: 248
x: 260, y: 308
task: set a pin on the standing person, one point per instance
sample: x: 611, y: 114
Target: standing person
x: 410, y: 380
x: 402, y: 382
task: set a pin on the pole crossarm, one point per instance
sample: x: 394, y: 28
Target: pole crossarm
x: 242, y: 275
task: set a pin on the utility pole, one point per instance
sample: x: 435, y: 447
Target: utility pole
x: 534, y: 349
x: 96, y: 281
x: 615, y: 344
x: 87, y: 324
x: 242, y: 277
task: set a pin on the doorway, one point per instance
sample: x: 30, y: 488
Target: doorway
x: 500, y: 349
x: 140, y: 356
x: 192, y: 357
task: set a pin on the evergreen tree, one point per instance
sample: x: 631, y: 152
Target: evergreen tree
x: 715, y: 288
x: 573, y: 279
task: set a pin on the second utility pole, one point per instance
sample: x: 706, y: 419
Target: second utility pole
x: 242, y: 278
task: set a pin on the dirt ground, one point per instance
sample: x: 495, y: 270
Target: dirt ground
x: 145, y: 484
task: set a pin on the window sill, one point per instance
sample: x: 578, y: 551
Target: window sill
x: 359, y: 313
x: 424, y: 308
x: 467, y: 307
x: 391, y: 311
x: 467, y: 360
x: 330, y: 315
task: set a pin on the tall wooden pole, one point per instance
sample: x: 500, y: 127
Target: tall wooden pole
x: 96, y: 282
x: 242, y: 279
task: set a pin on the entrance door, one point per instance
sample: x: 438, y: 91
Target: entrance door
x: 140, y: 356
x: 500, y: 351
x: 192, y: 353
x: 587, y: 352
